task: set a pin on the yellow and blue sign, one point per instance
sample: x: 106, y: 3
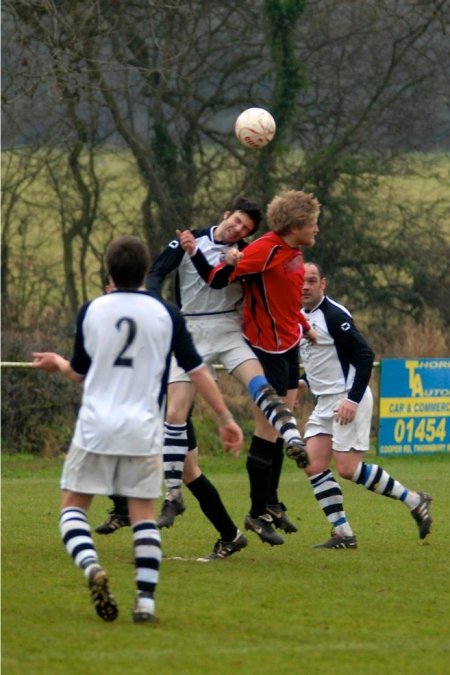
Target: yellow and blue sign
x: 414, y: 406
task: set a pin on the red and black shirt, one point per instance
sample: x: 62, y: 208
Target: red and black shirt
x: 272, y: 274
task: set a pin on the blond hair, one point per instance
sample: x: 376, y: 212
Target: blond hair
x: 292, y: 210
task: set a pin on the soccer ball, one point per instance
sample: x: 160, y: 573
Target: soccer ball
x: 255, y: 128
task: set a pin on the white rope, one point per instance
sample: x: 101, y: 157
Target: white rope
x: 16, y: 364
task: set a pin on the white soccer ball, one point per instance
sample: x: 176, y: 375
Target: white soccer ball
x: 255, y: 128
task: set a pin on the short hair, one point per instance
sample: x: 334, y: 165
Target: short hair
x: 250, y: 208
x: 319, y: 268
x: 127, y: 260
x: 291, y: 210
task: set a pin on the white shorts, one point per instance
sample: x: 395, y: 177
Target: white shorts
x: 94, y: 474
x: 218, y: 339
x: 353, y: 436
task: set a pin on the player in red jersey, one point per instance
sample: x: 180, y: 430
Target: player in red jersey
x: 272, y: 270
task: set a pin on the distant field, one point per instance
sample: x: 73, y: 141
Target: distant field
x: 265, y: 611
x: 419, y: 178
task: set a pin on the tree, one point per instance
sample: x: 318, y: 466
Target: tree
x: 90, y: 77
x: 367, y: 63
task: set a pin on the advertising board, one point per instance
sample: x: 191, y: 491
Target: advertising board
x: 414, y: 406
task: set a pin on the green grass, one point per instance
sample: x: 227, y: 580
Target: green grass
x: 282, y: 610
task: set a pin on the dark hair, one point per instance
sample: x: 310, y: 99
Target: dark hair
x: 250, y: 208
x: 127, y: 260
x: 319, y: 267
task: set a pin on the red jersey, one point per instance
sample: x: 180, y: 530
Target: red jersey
x: 272, y: 277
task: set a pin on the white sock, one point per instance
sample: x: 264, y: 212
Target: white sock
x: 145, y: 604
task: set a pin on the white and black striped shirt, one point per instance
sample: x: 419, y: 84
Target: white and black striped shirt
x: 194, y: 296
x: 341, y: 361
x: 123, y: 344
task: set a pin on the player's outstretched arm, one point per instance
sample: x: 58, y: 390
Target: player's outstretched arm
x: 54, y: 363
x: 230, y: 433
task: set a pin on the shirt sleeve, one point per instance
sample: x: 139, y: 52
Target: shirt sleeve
x: 80, y: 361
x: 207, y: 271
x: 355, y: 349
x: 167, y: 261
x: 257, y: 257
x: 362, y: 360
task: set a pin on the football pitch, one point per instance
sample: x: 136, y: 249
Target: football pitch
x: 383, y: 608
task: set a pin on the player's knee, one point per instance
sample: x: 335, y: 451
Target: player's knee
x: 175, y: 415
x: 314, y: 468
x: 191, y: 469
x: 317, y: 464
x: 345, y: 471
x: 190, y: 474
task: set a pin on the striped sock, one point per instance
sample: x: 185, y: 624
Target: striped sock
x: 328, y: 493
x: 274, y: 409
x: 175, y: 451
x: 147, y: 556
x: 376, y: 479
x: 77, y: 539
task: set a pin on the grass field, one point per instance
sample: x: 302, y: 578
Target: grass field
x: 383, y: 608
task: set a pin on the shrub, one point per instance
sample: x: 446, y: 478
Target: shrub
x: 38, y: 410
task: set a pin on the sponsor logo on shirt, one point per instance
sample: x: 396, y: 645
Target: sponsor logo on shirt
x: 295, y: 263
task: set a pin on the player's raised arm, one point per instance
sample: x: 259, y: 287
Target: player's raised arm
x: 166, y: 262
x: 187, y: 241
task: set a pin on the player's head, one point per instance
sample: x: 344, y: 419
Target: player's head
x: 127, y: 261
x: 241, y: 219
x: 250, y: 208
x: 314, y: 284
x: 296, y: 212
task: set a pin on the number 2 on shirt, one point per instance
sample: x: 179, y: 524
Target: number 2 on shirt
x: 121, y: 359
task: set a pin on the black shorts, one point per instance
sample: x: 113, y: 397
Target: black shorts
x: 282, y: 370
